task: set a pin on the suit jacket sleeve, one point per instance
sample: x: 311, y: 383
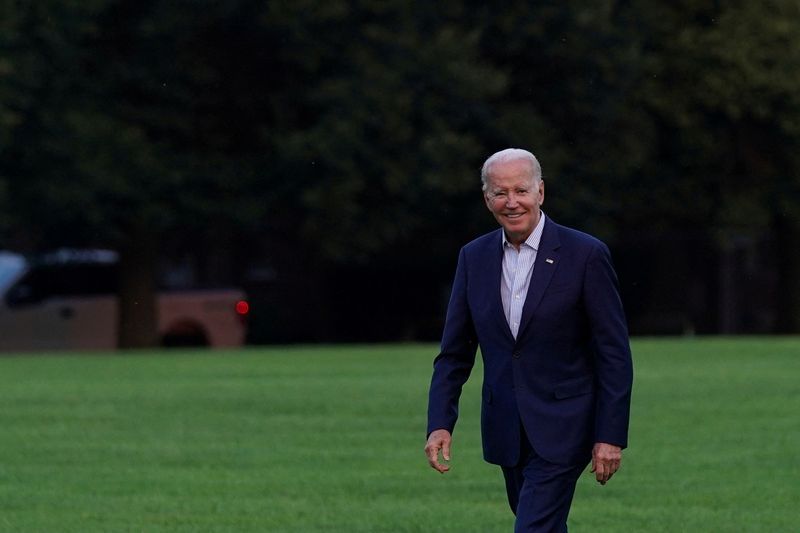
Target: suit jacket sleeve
x: 613, y: 364
x: 453, y: 365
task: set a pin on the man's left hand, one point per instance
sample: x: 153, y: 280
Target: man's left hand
x: 606, y: 459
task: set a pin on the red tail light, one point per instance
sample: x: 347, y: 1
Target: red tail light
x: 242, y: 308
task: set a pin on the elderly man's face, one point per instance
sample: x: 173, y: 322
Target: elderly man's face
x: 514, y: 198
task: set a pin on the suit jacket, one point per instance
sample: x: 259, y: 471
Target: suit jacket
x: 568, y: 375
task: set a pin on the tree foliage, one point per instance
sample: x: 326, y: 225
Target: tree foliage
x: 343, y: 134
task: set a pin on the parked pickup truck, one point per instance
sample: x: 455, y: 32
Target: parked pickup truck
x: 67, y: 300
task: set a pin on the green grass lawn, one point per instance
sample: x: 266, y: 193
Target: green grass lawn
x: 330, y: 439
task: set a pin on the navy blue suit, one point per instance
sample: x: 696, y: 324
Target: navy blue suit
x: 566, y: 378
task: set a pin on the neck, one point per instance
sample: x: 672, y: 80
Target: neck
x: 515, y: 240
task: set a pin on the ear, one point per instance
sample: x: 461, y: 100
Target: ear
x: 541, y: 191
x: 488, y: 201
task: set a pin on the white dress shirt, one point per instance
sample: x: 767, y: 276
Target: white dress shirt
x: 517, y: 271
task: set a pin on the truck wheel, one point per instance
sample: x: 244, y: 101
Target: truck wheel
x: 184, y: 333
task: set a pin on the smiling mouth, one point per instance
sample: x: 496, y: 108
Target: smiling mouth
x: 514, y: 215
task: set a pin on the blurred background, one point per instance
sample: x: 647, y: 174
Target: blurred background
x: 313, y: 166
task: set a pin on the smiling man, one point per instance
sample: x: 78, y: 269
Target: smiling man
x: 542, y: 302
x: 514, y: 191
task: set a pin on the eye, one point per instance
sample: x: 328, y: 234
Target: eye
x: 499, y: 194
x: 521, y: 192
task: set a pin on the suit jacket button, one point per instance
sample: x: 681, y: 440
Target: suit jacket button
x: 516, y: 355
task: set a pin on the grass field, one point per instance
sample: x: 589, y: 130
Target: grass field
x: 330, y: 439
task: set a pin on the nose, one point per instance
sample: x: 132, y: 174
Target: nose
x: 511, y: 200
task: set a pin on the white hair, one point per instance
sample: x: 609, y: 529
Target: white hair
x: 510, y: 154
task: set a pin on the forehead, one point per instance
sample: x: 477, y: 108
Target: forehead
x: 514, y: 173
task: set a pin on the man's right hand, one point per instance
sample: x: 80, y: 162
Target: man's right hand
x: 438, y: 440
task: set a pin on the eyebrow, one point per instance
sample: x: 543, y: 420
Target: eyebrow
x: 496, y: 190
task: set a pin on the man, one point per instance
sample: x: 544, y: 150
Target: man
x: 542, y: 302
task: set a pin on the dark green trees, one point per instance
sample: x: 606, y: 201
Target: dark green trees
x: 322, y: 136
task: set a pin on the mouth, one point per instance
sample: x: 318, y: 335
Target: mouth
x: 513, y: 215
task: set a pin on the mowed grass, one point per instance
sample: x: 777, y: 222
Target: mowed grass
x: 305, y: 439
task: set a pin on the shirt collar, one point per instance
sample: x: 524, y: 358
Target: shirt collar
x: 534, y: 238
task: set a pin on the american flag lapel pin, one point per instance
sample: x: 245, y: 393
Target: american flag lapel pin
x: 548, y: 260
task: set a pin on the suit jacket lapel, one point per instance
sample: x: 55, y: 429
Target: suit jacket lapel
x: 547, y: 259
x: 494, y: 273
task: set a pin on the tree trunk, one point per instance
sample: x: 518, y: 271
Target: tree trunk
x: 788, y: 250
x: 138, y: 311
x: 727, y: 301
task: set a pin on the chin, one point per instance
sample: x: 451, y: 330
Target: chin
x: 519, y: 228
